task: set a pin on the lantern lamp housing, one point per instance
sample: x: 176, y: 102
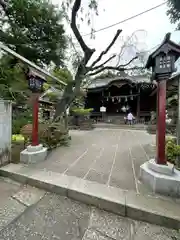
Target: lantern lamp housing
x: 35, y: 81
x: 162, y: 60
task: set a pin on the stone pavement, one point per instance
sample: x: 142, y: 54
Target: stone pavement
x: 107, y: 156
x: 55, y: 217
x: 15, y: 199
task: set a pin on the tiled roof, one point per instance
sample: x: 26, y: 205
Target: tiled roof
x: 105, y: 81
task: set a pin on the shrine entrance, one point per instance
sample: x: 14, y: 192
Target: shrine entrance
x: 120, y: 96
x: 120, y: 99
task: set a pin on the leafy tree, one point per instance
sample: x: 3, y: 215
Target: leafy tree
x: 33, y: 29
x: 174, y: 12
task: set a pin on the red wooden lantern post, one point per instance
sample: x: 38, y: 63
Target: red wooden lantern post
x: 162, y: 62
x: 35, y: 140
x: 35, y: 81
x: 161, y: 122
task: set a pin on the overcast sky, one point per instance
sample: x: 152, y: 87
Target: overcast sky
x: 155, y: 24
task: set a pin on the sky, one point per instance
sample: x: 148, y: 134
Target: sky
x: 150, y: 28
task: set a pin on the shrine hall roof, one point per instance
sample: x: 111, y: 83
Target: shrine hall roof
x: 103, y: 82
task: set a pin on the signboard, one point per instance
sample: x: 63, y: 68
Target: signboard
x: 5, y: 131
x: 102, y: 109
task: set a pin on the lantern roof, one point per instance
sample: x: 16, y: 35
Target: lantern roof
x: 36, y: 73
x: 166, y: 46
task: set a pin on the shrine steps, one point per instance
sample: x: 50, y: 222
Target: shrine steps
x: 120, y: 126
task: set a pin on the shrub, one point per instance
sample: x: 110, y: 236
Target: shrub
x: 172, y: 150
x: 54, y: 136
x: 82, y: 111
x: 20, y: 119
x: 17, y: 138
x: 51, y: 136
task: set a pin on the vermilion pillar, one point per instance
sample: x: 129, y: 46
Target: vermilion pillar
x: 161, y: 122
x: 35, y: 140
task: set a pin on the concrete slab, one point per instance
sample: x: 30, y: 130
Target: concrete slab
x: 99, y: 195
x: 153, y: 210
x: 110, y: 157
x: 29, y: 195
x: 12, y: 202
x: 9, y: 210
x: 126, y: 203
x: 56, y: 217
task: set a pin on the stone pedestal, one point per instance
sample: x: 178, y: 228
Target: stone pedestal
x: 163, y: 179
x: 33, y: 154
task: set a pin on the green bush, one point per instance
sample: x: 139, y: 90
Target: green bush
x: 54, y: 136
x: 20, y: 119
x: 82, y: 111
x: 172, y: 150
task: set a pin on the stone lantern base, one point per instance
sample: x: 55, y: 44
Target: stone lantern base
x: 163, y: 179
x: 33, y: 154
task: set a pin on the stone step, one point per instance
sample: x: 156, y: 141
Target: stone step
x: 120, y: 126
x: 154, y: 210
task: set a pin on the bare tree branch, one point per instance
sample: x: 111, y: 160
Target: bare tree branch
x: 116, y: 68
x: 107, y: 49
x: 73, y: 88
x: 101, y: 65
x: 87, y: 51
x: 134, y: 58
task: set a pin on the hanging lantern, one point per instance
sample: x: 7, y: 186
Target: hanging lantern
x: 131, y: 97
x: 119, y: 99
x: 112, y: 99
x: 126, y: 99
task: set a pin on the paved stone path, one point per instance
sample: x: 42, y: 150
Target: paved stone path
x: 15, y: 199
x: 106, y: 156
x: 59, y: 218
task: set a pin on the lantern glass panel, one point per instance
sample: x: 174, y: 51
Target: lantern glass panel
x: 35, y: 84
x: 165, y: 62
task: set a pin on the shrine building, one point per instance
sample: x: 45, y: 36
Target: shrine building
x: 122, y: 94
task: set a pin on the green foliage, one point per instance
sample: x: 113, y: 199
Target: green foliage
x: 53, y: 97
x: 21, y: 119
x: 17, y: 138
x: 13, y: 84
x: 172, y: 150
x: 33, y: 29
x: 82, y: 111
x: 174, y: 12
x: 54, y: 136
x: 63, y: 74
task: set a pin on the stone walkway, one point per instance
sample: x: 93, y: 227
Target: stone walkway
x: 106, y: 156
x: 15, y: 199
x: 59, y: 218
